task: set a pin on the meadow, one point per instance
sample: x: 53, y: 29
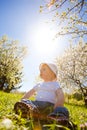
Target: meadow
x: 10, y: 121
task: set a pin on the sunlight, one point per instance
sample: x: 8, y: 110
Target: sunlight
x: 44, y: 40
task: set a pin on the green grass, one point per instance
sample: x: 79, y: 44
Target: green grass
x: 78, y: 112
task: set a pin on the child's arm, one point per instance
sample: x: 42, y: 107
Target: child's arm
x: 60, y: 98
x: 28, y: 94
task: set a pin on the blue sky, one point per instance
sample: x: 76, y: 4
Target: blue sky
x: 21, y: 20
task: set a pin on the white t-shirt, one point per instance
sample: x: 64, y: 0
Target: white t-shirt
x: 46, y: 91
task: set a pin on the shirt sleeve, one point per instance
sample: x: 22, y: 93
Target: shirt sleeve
x: 57, y: 85
x: 36, y: 86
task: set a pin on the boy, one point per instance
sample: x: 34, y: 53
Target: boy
x: 49, y: 95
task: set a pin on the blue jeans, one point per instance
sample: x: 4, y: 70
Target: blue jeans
x: 42, y: 106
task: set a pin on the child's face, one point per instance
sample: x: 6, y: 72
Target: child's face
x: 46, y: 74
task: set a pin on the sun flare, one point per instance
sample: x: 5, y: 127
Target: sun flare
x: 44, y: 40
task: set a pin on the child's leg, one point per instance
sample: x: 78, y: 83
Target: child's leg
x: 44, y: 107
x: 36, y: 109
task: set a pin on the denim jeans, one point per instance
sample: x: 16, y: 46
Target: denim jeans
x: 42, y: 106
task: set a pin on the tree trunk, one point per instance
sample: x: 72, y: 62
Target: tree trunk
x: 85, y: 97
x: 83, y: 92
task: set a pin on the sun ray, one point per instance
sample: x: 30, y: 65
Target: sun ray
x: 44, y: 39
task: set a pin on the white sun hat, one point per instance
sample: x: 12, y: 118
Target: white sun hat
x: 52, y: 66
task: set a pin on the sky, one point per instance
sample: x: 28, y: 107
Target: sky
x: 21, y: 20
